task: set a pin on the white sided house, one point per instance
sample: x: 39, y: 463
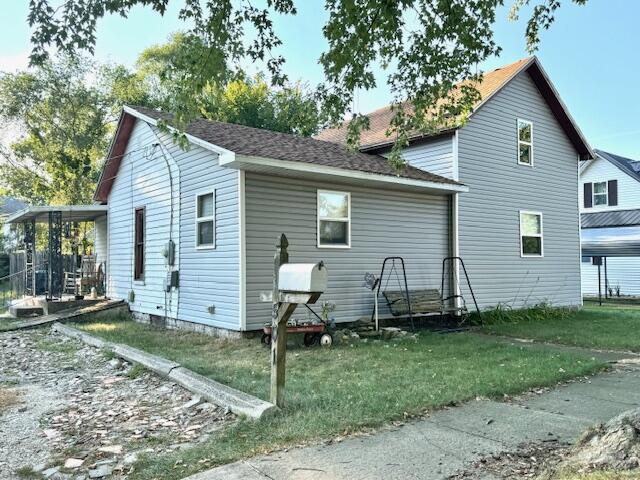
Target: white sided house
x: 500, y: 191
x: 610, y: 206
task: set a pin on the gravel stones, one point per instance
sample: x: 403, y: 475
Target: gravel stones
x: 82, y: 416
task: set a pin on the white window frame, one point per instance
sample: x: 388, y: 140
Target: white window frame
x: 522, y: 142
x: 332, y: 219
x: 593, y: 194
x: 540, y: 235
x: 199, y: 220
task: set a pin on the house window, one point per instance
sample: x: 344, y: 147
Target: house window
x: 138, y: 245
x: 600, y: 193
x: 586, y: 259
x: 334, y: 219
x: 531, y: 234
x: 205, y: 220
x: 525, y: 142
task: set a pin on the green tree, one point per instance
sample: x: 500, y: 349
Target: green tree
x: 65, y: 116
x: 244, y: 100
x: 425, y: 46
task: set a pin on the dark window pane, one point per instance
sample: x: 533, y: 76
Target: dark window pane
x: 525, y: 154
x: 205, y: 233
x: 334, y: 233
x: 586, y: 259
x: 532, y: 245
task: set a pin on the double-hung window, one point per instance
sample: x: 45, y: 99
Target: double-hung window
x: 138, y: 244
x: 525, y: 142
x: 334, y: 219
x: 206, y: 220
x: 600, y: 193
x: 531, y: 234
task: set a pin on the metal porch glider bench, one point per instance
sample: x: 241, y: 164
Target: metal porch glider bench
x: 405, y: 303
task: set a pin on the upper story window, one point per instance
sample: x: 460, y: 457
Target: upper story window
x: 600, y: 194
x: 334, y: 219
x: 531, y: 234
x: 206, y: 220
x: 525, y: 142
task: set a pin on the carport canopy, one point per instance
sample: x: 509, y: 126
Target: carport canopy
x: 611, y: 242
x: 70, y: 213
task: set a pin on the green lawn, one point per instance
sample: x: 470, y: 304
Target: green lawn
x: 607, y: 327
x: 344, y: 389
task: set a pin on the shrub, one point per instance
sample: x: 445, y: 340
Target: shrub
x: 503, y: 313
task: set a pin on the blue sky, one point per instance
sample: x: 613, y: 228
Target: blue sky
x: 591, y: 54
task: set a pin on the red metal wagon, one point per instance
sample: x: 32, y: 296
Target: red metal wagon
x: 314, y: 334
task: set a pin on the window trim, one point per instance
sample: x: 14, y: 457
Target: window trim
x: 540, y: 235
x: 199, y: 220
x: 530, y: 143
x: 140, y: 279
x: 593, y: 194
x: 333, y: 219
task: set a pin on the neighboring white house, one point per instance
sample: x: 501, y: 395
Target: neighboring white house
x: 500, y: 190
x: 610, y: 208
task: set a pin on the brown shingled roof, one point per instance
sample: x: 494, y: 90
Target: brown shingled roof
x: 380, y: 119
x: 256, y: 142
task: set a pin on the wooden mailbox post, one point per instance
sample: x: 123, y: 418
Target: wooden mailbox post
x: 284, y: 303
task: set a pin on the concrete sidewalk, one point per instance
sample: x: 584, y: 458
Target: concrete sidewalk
x: 451, y: 439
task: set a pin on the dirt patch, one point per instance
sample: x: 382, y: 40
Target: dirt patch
x: 608, y: 451
x: 81, y: 413
x: 8, y: 398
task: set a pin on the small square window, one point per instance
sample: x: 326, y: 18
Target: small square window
x: 525, y: 142
x: 334, y: 219
x: 531, y: 234
x: 205, y: 220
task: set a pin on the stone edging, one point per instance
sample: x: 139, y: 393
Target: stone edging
x: 238, y: 402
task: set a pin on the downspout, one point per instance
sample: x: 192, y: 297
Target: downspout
x: 455, y: 227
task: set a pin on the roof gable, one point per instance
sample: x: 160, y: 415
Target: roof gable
x: 375, y: 139
x: 627, y: 165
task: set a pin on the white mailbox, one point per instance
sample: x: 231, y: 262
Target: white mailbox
x: 302, y: 278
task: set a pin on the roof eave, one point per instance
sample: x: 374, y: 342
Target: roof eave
x: 315, y: 172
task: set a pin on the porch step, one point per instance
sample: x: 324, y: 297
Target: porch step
x: 21, y: 311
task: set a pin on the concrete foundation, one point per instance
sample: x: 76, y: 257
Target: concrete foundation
x: 175, y: 324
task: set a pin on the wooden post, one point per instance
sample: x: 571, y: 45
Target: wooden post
x: 279, y: 316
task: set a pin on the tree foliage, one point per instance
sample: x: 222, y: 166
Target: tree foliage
x: 425, y: 46
x: 244, y: 100
x: 64, y: 123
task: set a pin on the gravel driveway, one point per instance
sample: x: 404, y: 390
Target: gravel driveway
x: 72, y: 412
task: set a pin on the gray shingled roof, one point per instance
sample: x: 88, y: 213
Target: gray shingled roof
x: 617, y: 218
x: 257, y: 142
x: 627, y: 165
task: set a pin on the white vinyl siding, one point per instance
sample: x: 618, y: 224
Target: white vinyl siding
x: 142, y: 182
x: 383, y: 223
x: 600, y: 170
x: 621, y: 271
x: 435, y: 156
x: 208, y: 277
x: 499, y: 188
